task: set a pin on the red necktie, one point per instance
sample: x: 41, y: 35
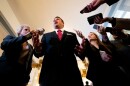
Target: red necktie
x: 59, y: 33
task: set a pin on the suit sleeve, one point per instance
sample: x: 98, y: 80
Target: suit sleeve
x: 10, y: 42
x: 110, y: 2
x: 122, y: 23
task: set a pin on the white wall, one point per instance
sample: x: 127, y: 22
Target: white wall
x: 40, y: 13
x: 8, y: 14
x: 9, y: 17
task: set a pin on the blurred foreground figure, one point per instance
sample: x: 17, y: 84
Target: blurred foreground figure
x: 95, y: 4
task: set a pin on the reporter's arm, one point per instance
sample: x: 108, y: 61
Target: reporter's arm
x: 110, y: 2
x: 10, y: 42
x: 120, y: 23
x: 102, y: 31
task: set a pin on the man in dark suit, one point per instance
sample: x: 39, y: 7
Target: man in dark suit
x: 16, y: 59
x: 59, y: 67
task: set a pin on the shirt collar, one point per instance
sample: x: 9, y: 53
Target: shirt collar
x: 60, y: 29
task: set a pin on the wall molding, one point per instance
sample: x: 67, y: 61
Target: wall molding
x: 7, y: 26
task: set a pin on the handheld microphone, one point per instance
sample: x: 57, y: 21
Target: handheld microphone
x: 40, y: 31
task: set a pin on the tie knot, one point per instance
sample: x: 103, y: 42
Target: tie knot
x: 59, y: 31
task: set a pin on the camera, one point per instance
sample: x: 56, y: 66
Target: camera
x: 91, y: 18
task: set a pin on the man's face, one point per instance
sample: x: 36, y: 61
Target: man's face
x: 58, y: 22
x: 25, y: 30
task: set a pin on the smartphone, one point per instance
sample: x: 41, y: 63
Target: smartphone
x: 95, y: 26
x: 91, y: 18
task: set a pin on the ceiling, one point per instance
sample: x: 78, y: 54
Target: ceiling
x: 40, y: 13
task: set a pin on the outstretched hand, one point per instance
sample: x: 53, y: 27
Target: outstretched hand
x: 35, y: 40
x: 99, y: 20
x: 101, y: 30
x: 81, y: 48
x: 92, y: 6
x: 79, y: 33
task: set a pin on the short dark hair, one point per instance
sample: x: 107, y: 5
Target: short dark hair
x: 60, y: 18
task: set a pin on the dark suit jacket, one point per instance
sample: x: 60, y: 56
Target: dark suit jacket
x: 110, y: 2
x: 59, y: 66
x: 9, y: 67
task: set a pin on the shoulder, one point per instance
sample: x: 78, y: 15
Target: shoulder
x: 8, y: 37
x: 69, y: 33
x: 49, y: 33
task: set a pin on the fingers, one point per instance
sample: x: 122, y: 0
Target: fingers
x: 79, y: 49
x: 97, y: 20
x: 79, y: 33
x: 96, y: 4
x: 83, y: 44
x: 92, y: 6
x: 35, y: 39
x: 101, y: 30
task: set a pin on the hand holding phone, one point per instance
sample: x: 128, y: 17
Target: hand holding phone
x: 91, y: 18
x: 95, y: 26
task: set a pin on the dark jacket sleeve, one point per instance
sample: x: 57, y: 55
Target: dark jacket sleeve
x: 120, y: 23
x: 12, y: 42
x: 110, y: 2
x: 88, y: 49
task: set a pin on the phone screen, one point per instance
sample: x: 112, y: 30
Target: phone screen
x: 95, y: 26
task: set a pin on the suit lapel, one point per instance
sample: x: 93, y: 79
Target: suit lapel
x: 54, y: 35
x: 64, y: 35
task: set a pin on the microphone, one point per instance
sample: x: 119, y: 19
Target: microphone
x: 40, y: 31
x: 84, y: 10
